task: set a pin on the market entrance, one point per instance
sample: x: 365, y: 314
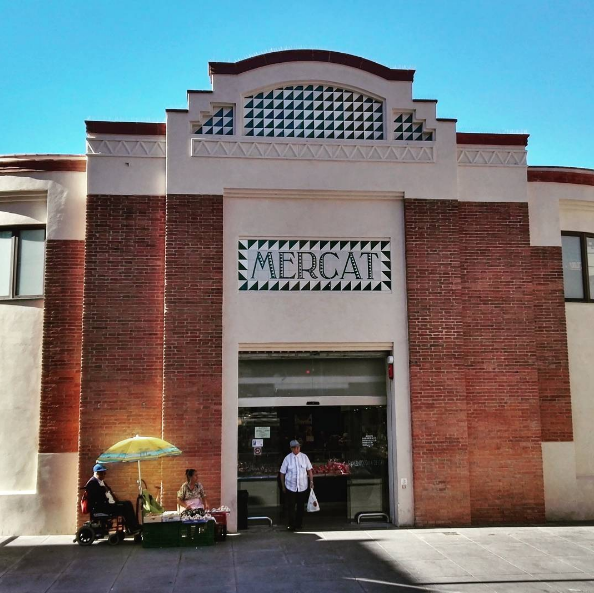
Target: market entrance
x: 335, y: 405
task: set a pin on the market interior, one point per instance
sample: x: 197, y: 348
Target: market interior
x: 347, y: 446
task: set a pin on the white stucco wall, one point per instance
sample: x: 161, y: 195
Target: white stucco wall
x: 491, y: 183
x: 50, y: 508
x: 29, y: 503
x: 316, y: 320
x: 64, y: 194
x: 122, y: 165
x: 186, y: 173
x: 20, y: 368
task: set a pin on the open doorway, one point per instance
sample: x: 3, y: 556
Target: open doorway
x: 347, y: 446
x: 336, y: 408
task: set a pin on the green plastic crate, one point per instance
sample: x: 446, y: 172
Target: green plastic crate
x: 197, y: 534
x: 161, y: 535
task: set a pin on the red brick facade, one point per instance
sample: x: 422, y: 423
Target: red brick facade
x: 506, y: 481
x: 122, y: 349
x: 438, y: 398
x: 551, y: 344
x: 488, y: 352
x: 482, y: 305
x: 152, y: 356
x: 60, y: 363
x: 192, y: 370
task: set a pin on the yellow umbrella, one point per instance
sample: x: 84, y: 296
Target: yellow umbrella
x: 138, y: 449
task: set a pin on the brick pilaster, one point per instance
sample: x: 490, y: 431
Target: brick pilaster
x: 551, y: 344
x: 122, y: 348
x: 479, y: 316
x: 438, y: 398
x: 60, y: 362
x: 506, y: 475
x: 192, y: 404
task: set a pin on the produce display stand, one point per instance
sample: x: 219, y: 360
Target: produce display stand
x: 196, y: 533
x: 161, y: 535
x: 174, y: 534
x: 157, y: 533
x: 221, y: 525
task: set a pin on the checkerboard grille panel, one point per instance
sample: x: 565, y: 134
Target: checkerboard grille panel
x: 313, y: 111
x: 407, y: 128
x: 220, y: 124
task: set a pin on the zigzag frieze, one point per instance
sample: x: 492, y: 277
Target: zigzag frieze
x: 313, y: 151
x: 492, y: 157
x: 132, y: 148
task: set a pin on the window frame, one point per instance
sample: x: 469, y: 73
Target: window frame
x: 16, y: 230
x: 584, y: 255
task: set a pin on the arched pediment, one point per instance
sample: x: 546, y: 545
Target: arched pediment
x: 310, y: 55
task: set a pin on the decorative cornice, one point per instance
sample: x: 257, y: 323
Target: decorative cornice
x: 561, y: 175
x: 316, y: 151
x: 310, y: 55
x: 13, y: 165
x: 133, y: 128
x: 129, y: 148
x: 492, y: 139
x: 491, y: 157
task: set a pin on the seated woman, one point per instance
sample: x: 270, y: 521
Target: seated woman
x: 103, y: 500
x: 191, y: 494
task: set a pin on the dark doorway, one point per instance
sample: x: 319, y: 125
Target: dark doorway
x: 347, y: 446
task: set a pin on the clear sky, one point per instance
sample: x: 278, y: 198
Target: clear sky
x: 496, y: 66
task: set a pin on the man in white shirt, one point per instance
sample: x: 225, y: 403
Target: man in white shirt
x: 294, y: 472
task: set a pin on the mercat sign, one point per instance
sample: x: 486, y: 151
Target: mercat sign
x: 314, y: 264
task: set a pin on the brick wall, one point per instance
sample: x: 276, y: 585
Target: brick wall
x: 506, y: 481
x: 438, y: 398
x: 488, y: 357
x: 488, y: 351
x: 122, y: 348
x: 551, y: 344
x: 192, y: 371
x: 60, y: 361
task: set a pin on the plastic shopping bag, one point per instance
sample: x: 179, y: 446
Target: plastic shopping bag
x: 149, y: 504
x: 312, y: 503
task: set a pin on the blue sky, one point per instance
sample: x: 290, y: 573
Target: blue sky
x: 497, y: 66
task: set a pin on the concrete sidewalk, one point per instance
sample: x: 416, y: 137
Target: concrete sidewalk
x: 355, y: 559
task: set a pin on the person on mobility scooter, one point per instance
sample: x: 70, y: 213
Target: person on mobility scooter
x: 105, y: 509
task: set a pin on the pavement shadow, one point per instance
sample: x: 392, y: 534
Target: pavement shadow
x: 261, y: 559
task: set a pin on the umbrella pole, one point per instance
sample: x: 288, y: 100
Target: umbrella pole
x: 139, y: 480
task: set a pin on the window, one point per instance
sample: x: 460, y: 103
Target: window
x: 578, y: 266
x: 22, y: 251
x: 316, y: 377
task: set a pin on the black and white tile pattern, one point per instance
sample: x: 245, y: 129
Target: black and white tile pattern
x: 313, y: 111
x: 220, y: 124
x: 314, y: 265
x: 407, y: 128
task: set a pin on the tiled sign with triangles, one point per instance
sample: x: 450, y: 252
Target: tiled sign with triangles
x: 314, y: 264
x: 313, y: 111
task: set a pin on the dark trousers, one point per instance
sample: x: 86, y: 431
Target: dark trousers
x: 295, y: 502
x: 126, y: 509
